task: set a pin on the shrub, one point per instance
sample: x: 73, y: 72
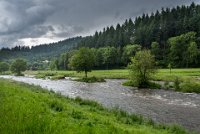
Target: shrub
x: 151, y: 85
x: 190, y: 87
x: 177, y: 84
x: 166, y: 85
x: 58, y: 77
x: 142, y: 67
x: 154, y: 85
x: 90, y: 79
x: 129, y: 83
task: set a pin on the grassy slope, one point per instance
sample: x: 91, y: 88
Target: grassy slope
x: 29, y: 109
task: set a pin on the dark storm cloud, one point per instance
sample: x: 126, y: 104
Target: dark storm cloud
x: 21, y: 19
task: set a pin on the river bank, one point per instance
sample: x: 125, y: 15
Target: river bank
x: 160, y: 105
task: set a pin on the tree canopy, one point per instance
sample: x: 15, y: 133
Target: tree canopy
x: 18, y: 66
x: 142, y: 67
x: 3, y: 67
x: 82, y: 60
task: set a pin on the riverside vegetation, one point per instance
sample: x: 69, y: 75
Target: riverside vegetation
x: 188, y: 78
x: 31, y: 109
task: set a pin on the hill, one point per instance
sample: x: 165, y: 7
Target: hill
x: 40, y: 52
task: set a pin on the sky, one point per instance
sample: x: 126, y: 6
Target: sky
x: 34, y: 22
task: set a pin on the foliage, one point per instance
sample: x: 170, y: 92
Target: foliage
x: 183, y: 49
x: 155, y: 50
x: 39, y: 53
x: 142, y: 67
x: 3, y: 67
x: 31, y: 109
x: 18, y: 66
x: 189, y: 87
x: 90, y: 79
x: 177, y: 84
x: 151, y: 85
x: 147, y: 30
x: 129, y: 83
x: 129, y: 51
x: 82, y: 60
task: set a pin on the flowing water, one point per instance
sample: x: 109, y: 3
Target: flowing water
x: 160, y: 105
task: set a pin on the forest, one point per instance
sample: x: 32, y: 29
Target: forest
x: 172, y: 35
x: 39, y: 53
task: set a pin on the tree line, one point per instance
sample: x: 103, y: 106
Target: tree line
x: 156, y: 27
x: 104, y: 57
x: 40, y: 52
x: 181, y: 51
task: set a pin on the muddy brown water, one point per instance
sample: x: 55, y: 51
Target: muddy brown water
x: 160, y: 105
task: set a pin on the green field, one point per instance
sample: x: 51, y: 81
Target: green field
x: 162, y: 74
x: 27, y: 109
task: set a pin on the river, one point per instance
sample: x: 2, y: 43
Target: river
x: 160, y: 105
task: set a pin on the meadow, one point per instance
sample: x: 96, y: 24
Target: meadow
x: 29, y: 109
x: 161, y: 74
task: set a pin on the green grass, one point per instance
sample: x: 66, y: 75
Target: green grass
x: 183, y: 74
x: 105, y: 74
x: 27, y: 109
x: 162, y: 74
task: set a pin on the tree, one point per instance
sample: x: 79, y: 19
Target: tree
x: 129, y: 51
x: 192, y: 53
x: 109, y: 56
x: 183, y: 49
x: 142, y: 67
x: 155, y: 49
x: 3, y: 67
x: 82, y: 60
x: 53, y: 65
x: 18, y: 66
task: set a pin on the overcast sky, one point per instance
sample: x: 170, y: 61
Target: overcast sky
x: 33, y: 22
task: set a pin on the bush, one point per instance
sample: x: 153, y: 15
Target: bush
x: 18, y: 66
x: 90, y: 79
x: 177, y: 84
x: 151, y: 85
x: 129, y: 83
x: 58, y: 77
x: 154, y: 85
x: 190, y: 87
x: 166, y: 85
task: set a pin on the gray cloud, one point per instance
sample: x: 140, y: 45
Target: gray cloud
x: 34, y: 19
